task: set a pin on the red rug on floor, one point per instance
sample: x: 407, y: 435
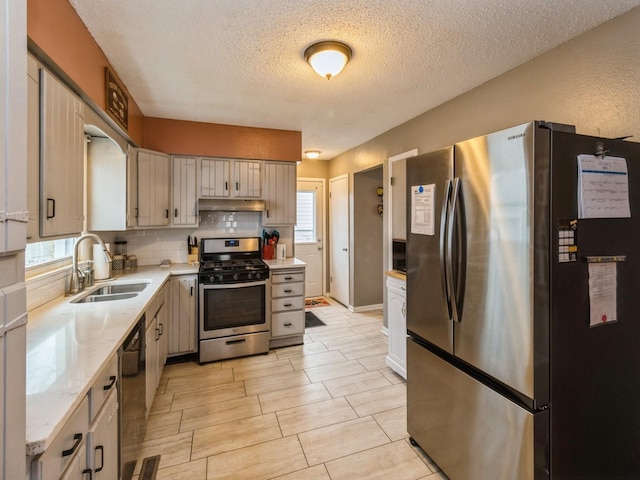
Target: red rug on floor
x: 315, y: 302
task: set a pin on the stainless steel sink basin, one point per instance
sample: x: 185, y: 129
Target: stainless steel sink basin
x: 120, y: 288
x: 116, y: 291
x: 105, y: 297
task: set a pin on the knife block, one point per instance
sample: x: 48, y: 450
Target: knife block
x: 268, y: 252
x: 192, y: 257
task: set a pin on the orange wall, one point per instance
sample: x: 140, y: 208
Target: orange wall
x: 216, y: 140
x: 54, y: 26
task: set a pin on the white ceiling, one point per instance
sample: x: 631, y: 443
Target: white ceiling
x: 240, y: 62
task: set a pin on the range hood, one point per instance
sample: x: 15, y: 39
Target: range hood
x: 231, y: 205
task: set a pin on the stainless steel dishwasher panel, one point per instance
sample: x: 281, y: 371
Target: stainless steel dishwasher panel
x: 133, y: 409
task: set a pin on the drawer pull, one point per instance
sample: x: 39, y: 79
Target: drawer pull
x: 288, y: 305
x: 233, y: 342
x: 288, y: 278
x: 101, y: 449
x: 112, y: 381
x: 288, y: 290
x: 78, y: 438
x: 288, y: 324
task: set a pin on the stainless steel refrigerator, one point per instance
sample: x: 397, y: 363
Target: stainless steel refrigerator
x: 508, y: 374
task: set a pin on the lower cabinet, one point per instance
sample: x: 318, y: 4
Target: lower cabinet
x: 156, y: 344
x: 182, y: 332
x: 87, y: 445
x: 287, y: 307
x: 397, y: 318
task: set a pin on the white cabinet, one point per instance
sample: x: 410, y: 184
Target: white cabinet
x: 287, y: 307
x: 185, y: 194
x: 229, y: 178
x: 62, y: 158
x: 153, y: 188
x: 279, y: 193
x: 155, y: 344
x: 103, y: 441
x: 183, y: 322
x: 397, y: 316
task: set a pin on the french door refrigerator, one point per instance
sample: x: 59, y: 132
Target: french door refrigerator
x: 523, y: 306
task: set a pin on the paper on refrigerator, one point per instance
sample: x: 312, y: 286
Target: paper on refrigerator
x: 602, y: 293
x: 603, y: 187
x: 423, y: 209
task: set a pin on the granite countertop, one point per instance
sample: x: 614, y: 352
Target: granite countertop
x: 69, y: 344
x: 284, y: 263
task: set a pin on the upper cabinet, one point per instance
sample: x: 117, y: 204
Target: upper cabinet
x: 153, y: 188
x: 279, y: 194
x: 61, y: 158
x: 184, y: 191
x: 228, y: 178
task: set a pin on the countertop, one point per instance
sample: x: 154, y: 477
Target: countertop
x: 68, y: 345
x: 281, y: 263
x: 396, y: 274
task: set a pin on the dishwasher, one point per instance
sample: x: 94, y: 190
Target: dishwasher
x: 133, y: 408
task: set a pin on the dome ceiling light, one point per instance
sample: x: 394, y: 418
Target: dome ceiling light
x: 328, y: 58
x: 312, y: 154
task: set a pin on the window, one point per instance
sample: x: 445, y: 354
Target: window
x: 305, y: 229
x: 48, y: 251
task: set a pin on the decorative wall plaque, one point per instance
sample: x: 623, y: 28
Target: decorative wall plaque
x: 117, y: 100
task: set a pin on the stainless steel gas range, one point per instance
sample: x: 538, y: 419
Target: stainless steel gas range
x: 234, y: 320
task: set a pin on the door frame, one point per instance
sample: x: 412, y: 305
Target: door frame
x: 389, y: 202
x: 324, y: 226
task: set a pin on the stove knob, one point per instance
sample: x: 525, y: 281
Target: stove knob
x: 258, y: 275
x: 235, y: 276
x: 250, y: 276
x: 220, y: 277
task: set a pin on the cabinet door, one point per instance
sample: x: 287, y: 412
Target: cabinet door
x: 78, y: 469
x: 182, y: 331
x: 103, y: 444
x: 162, y: 335
x: 280, y: 194
x: 153, y: 189
x: 33, y: 148
x: 214, y: 177
x: 247, y: 177
x: 151, y: 357
x: 62, y: 159
x: 185, y: 196
x: 397, y: 312
x: 132, y: 187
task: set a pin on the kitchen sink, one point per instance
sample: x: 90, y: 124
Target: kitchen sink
x: 105, y: 297
x: 120, y: 288
x: 116, y: 291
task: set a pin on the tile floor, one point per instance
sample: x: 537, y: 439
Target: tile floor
x: 326, y: 410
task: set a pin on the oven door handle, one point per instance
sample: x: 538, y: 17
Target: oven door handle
x: 219, y: 286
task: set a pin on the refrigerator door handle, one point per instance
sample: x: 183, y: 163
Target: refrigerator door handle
x: 445, y: 274
x: 457, y: 272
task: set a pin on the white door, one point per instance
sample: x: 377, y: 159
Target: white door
x: 339, y: 215
x: 309, y: 233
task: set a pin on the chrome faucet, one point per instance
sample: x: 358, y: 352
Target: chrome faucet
x: 76, y: 283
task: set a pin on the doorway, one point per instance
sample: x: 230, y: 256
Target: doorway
x: 339, y: 268
x: 309, y: 233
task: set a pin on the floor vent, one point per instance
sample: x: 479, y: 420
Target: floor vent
x: 149, y: 468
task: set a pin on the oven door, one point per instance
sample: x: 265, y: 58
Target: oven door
x: 233, y: 309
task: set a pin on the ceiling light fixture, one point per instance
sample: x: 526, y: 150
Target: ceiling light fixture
x: 312, y: 154
x: 328, y: 58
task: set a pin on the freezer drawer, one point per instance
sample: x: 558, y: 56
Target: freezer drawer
x: 469, y: 430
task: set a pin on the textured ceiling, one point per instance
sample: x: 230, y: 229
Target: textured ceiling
x: 240, y: 62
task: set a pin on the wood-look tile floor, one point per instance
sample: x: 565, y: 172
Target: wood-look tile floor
x: 326, y: 410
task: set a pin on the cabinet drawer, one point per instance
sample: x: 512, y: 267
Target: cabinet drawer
x: 287, y: 303
x: 102, y: 387
x: 69, y: 441
x: 287, y: 290
x: 287, y: 323
x: 287, y: 277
